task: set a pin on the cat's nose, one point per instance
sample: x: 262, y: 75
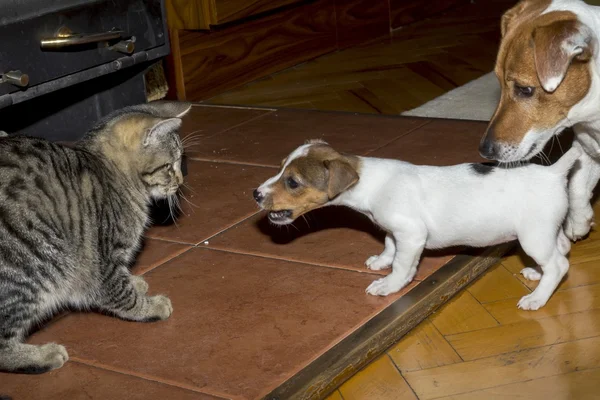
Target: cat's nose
x: 258, y: 196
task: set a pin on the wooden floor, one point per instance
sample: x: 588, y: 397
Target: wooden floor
x: 421, y: 62
x: 480, y: 346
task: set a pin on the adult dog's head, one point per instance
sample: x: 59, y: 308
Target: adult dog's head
x: 546, y: 70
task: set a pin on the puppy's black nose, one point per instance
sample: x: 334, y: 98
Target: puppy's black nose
x: 487, y: 148
x: 257, y: 195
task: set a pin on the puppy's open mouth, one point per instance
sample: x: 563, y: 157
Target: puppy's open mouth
x: 281, y: 216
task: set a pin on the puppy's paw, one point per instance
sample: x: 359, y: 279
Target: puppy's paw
x: 385, y: 286
x: 377, y: 263
x: 578, y: 225
x: 531, y: 302
x: 531, y: 274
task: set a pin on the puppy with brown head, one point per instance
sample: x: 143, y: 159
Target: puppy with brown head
x: 310, y: 177
x: 431, y: 207
x: 547, y: 67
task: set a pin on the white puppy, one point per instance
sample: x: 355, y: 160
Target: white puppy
x: 433, y: 207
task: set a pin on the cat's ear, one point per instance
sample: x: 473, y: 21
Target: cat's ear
x: 168, y: 109
x: 159, y: 131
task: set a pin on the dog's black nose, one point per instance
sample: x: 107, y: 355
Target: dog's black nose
x: 487, y: 148
x: 257, y: 195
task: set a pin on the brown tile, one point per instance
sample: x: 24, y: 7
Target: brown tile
x: 241, y: 325
x: 75, y: 381
x: 441, y: 142
x: 206, y: 120
x: 267, y: 140
x: 333, y: 236
x: 156, y: 252
x: 221, y: 195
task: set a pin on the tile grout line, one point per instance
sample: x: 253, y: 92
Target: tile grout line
x: 207, y: 239
x: 400, y: 372
x: 366, y: 272
x: 427, y: 122
x: 231, y: 162
x: 168, y: 260
x: 148, y: 378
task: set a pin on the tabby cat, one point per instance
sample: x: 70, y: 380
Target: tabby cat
x: 71, y: 221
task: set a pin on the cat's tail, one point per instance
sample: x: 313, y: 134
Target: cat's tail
x: 567, y: 161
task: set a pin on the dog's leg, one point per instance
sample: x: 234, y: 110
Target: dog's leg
x: 554, y: 267
x: 404, y: 266
x: 564, y: 246
x: 384, y: 260
x: 583, y: 181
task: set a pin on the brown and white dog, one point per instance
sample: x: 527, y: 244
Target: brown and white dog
x: 548, y: 68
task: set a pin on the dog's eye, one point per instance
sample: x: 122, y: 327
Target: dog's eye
x: 524, y: 91
x: 291, y: 183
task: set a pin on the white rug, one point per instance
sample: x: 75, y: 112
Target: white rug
x: 476, y: 100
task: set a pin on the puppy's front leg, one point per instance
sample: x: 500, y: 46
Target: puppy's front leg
x: 404, y: 266
x: 581, y: 186
x: 385, y: 259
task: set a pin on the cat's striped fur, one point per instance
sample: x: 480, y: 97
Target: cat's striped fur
x: 71, y: 220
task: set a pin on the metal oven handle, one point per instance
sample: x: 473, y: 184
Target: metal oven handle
x: 65, y: 38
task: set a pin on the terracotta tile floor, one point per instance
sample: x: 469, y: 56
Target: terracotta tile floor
x: 253, y: 304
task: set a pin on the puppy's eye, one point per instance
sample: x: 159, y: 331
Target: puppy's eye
x: 524, y: 91
x: 291, y: 183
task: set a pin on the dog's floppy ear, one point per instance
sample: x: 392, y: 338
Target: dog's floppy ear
x: 556, y: 45
x: 341, y: 176
x: 509, y: 16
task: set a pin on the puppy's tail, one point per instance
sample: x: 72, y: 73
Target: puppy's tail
x: 566, y: 162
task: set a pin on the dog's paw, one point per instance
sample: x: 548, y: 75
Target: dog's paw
x: 531, y: 274
x: 531, y: 302
x: 385, y: 286
x: 578, y: 226
x: 377, y: 263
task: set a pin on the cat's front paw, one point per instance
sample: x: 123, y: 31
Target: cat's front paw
x: 160, y: 308
x: 377, y: 263
x: 139, y: 284
x: 52, y: 356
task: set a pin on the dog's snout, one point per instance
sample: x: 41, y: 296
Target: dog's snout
x: 487, y: 146
x: 258, y: 196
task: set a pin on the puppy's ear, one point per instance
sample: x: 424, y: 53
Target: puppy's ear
x: 509, y: 16
x: 341, y: 177
x: 556, y: 45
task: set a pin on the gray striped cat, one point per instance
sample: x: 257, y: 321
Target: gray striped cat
x: 71, y: 220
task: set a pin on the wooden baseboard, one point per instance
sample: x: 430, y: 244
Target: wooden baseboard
x: 361, y: 347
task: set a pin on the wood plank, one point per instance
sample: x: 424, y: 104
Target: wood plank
x: 462, y: 314
x: 526, y: 334
x: 423, y: 347
x: 498, y: 284
x: 216, y: 61
x: 361, y: 20
x: 404, y: 12
x: 380, y: 380
x: 579, y: 385
x: 506, y: 369
x: 370, y: 340
x: 232, y: 10
x: 566, y: 301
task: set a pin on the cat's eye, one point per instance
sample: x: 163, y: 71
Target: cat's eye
x: 524, y: 91
x: 291, y: 183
